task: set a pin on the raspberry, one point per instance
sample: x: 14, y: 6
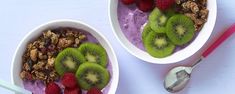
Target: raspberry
x: 94, y: 91
x: 164, y: 4
x: 52, y: 88
x: 69, y: 80
x: 145, y: 5
x: 75, y: 90
x: 128, y: 2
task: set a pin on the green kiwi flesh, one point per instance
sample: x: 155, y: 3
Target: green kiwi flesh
x: 147, y: 29
x: 68, y: 60
x: 157, y: 21
x: 180, y: 29
x: 158, y: 45
x: 94, y: 53
x: 92, y: 75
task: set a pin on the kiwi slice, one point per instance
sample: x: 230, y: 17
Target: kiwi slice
x: 94, y: 53
x: 68, y: 60
x: 170, y: 12
x: 147, y: 29
x: 158, y: 45
x: 157, y: 21
x: 92, y: 75
x: 180, y: 29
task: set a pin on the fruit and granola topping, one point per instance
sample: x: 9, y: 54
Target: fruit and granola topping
x: 168, y: 26
x: 194, y: 9
x: 65, y: 60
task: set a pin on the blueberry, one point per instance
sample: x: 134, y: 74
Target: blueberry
x: 47, y: 42
x: 30, y: 63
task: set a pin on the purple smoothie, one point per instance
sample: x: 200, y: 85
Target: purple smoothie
x: 132, y: 20
x: 37, y: 87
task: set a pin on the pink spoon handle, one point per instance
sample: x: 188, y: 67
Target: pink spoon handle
x: 222, y: 38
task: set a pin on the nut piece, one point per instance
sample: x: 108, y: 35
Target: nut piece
x: 204, y: 13
x: 26, y: 67
x: 81, y: 37
x: 23, y: 75
x: 190, y: 5
x: 63, y: 43
x: 41, y: 56
x: 26, y: 75
x: 54, y: 38
x: 33, y: 54
x: 47, y: 34
x: 51, y: 61
x: 39, y: 65
x: 77, y: 42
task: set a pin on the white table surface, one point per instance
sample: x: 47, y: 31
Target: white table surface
x: 216, y: 75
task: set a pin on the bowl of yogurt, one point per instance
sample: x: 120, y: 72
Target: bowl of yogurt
x: 173, y: 39
x: 57, y: 51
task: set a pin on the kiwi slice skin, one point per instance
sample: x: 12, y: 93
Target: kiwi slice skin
x: 157, y: 21
x: 92, y: 75
x: 94, y: 53
x: 180, y: 29
x: 147, y: 29
x: 68, y: 61
x: 158, y: 45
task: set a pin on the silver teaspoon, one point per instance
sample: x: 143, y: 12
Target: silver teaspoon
x: 178, y: 77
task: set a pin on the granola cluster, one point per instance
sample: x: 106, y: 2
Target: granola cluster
x: 196, y: 10
x: 39, y: 57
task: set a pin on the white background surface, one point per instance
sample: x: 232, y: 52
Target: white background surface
x: 215, y: 75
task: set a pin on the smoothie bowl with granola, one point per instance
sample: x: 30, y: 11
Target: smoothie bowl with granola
x: 162, y: 31
x: 65, y: 57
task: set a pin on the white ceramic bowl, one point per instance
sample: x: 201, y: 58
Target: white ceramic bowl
x: 17, y: 59
x: 175, y: 57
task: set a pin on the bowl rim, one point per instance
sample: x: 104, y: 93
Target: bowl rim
x: 113, y: 17
x: 114, y: 63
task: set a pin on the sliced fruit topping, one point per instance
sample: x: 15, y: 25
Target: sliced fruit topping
x: 94, y: 90
x: 164, y: 4
x: 52, y: 88
x: 92, y: 75
x: 69, y: 80
x: 158, y: 45
x: 147, y: 29
x: 145, y: 5
x: 180, y: 29
x: 94, y: 53
x: 157, y: 21
x: 128, y: 2
x: 72, y: 91
x: 68, y: 60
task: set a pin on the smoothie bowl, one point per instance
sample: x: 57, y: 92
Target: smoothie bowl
x: 65, y: 57
x: 162, y: 31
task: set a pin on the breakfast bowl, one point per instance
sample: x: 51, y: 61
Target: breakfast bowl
x: 131, y: 18
x: 64, y: 48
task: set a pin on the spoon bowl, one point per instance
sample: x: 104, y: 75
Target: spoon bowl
x: 177, y: 78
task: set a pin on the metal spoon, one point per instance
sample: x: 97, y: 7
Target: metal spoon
x: 178, y: 77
